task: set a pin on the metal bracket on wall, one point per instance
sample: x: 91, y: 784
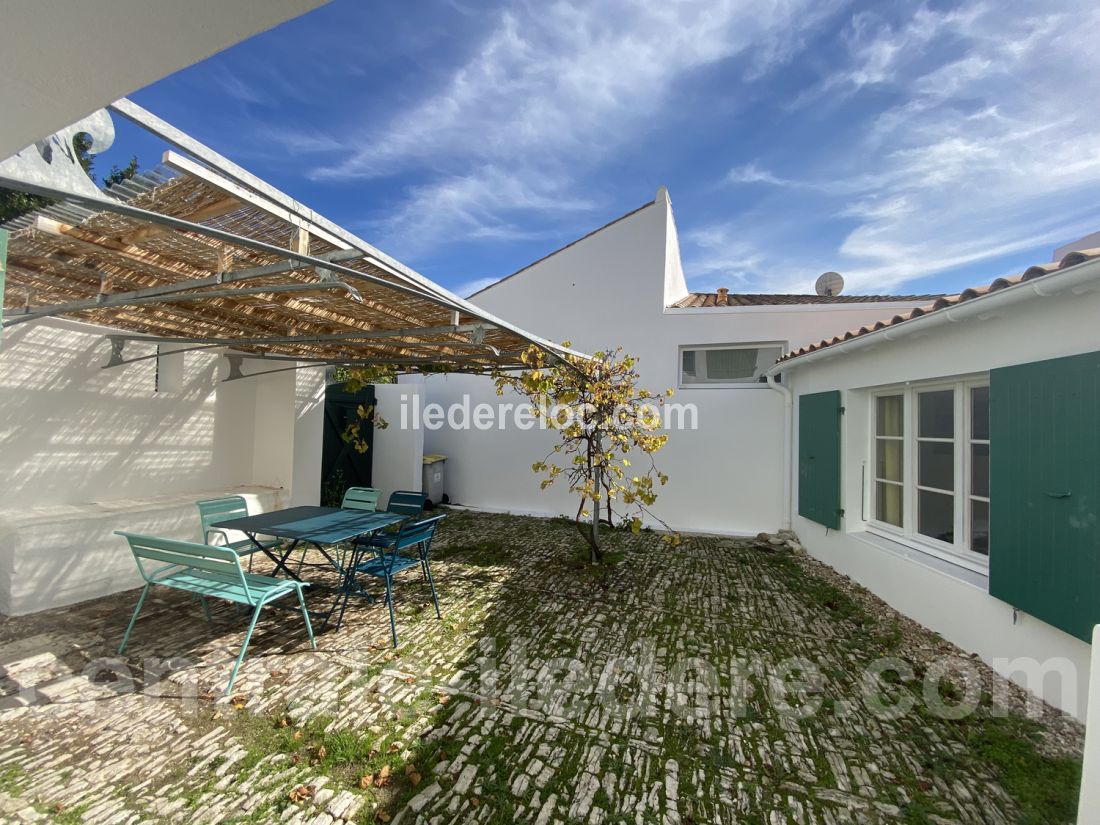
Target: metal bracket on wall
x: 116, y: 359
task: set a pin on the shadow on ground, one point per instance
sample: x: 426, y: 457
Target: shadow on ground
x: 719, y: 681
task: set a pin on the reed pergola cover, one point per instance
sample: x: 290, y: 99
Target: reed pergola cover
x: 200, y: 254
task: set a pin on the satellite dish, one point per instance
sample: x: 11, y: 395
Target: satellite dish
x: 829, y: 284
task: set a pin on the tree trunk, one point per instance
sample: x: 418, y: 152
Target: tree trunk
x: 590, y: 534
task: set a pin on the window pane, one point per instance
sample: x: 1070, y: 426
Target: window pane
x: 937, y: 414
x: 936, y: 464
x: 979, y: 413
x: 730, y: 364
x: 979, y: 527
x: 889, y: 415
x: 726, y: 366
x: 936, y: 515
x: 979, y: 469
x: 888, y: 459
x: 888, y: 503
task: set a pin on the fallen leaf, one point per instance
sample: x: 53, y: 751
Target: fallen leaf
x: 302, y: 793
x: 410, y: 769
x: 475, y: 801
x: 394, y: 747
x: 383, y: 777
x: 415, y: 778
x: 366, y: 780
x: 443, y: 698
x: 296, y: 759
x: 297, y: 735
x: 283, y: 722
x: 383, y: 816
x: 321, y: 752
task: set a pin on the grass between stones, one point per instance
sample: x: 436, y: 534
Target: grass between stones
x: 710, y: 598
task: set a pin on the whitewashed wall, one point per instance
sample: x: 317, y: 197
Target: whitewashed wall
x: 85, y: 451
x: 953, y: 604
x: 612, y: 288
x: 1088, y: 808
x: 398, y: 451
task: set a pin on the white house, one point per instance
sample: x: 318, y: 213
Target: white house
x: 623, y: 285
x: 882, y: 435
x: 947, y: 460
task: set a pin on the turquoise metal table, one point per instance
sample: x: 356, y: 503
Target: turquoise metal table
x: 320, y: 527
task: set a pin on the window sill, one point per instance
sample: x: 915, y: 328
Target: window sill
x: 973, y: 573
x: 745, y: 385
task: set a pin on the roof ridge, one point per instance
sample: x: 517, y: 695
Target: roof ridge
x: 699, y: 300
x: 1068, y: 261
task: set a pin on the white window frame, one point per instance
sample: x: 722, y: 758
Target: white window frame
x: 720, y: 385
x: 959, y: 551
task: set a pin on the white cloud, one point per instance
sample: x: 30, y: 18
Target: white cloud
x: 470, y: 287
x: 990, y: 148
x: 552, y: 90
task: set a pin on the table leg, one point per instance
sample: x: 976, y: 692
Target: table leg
x: 280, y: 561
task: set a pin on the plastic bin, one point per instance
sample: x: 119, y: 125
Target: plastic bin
x: 432, y: 480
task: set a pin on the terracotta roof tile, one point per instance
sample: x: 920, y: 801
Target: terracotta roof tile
x: 945, y: 301
x: 751, y: 299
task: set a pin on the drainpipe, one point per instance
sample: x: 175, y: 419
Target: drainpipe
x: 788, y: 440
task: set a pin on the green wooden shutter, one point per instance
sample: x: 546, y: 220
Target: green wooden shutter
x: 819, y: 458
x: 1044, y: 538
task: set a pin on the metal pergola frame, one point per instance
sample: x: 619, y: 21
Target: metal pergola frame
x: 347, y: 265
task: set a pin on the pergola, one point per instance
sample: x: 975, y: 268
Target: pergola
x: 200, y: 254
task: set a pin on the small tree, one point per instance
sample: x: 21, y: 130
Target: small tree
x: 603, y: 419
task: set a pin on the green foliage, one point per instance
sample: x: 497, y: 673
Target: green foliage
x: 117, y: 175
x: 604, y: 419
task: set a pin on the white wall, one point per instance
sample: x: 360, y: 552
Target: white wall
x: 54, y: 71
x: 85, y: 451
x: 398, y: 452
x: 1088, y: 809
x: 612, y: 289
x: 952, y: 603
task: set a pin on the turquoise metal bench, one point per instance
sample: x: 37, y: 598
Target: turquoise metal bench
x: 208, y: 572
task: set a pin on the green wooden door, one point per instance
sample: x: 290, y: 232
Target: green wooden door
x: 819, y: 458
x: 343, y: 466
x: 1044, y: 538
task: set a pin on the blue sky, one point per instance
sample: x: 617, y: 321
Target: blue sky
x: 916, y: 147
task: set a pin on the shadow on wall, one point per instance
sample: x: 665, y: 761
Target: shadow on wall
x: 75, y: 433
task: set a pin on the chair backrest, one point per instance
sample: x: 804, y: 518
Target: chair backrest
x: 360, y: 498
x: 212, y: 510
x: 172, y: 553
x: 417, y: 532
x: 406, y: 503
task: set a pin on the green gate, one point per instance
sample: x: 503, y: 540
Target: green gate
x: 342, y: 465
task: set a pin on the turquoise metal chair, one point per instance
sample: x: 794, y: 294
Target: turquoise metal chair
x: 361, y: 498
x: 389, y: 561
x: 213, y: 510
x: 401, y: 503
x: 208, y: 571
x: 406, y: 503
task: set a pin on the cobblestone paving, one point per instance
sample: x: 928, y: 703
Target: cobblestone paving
x: 719, y: 681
